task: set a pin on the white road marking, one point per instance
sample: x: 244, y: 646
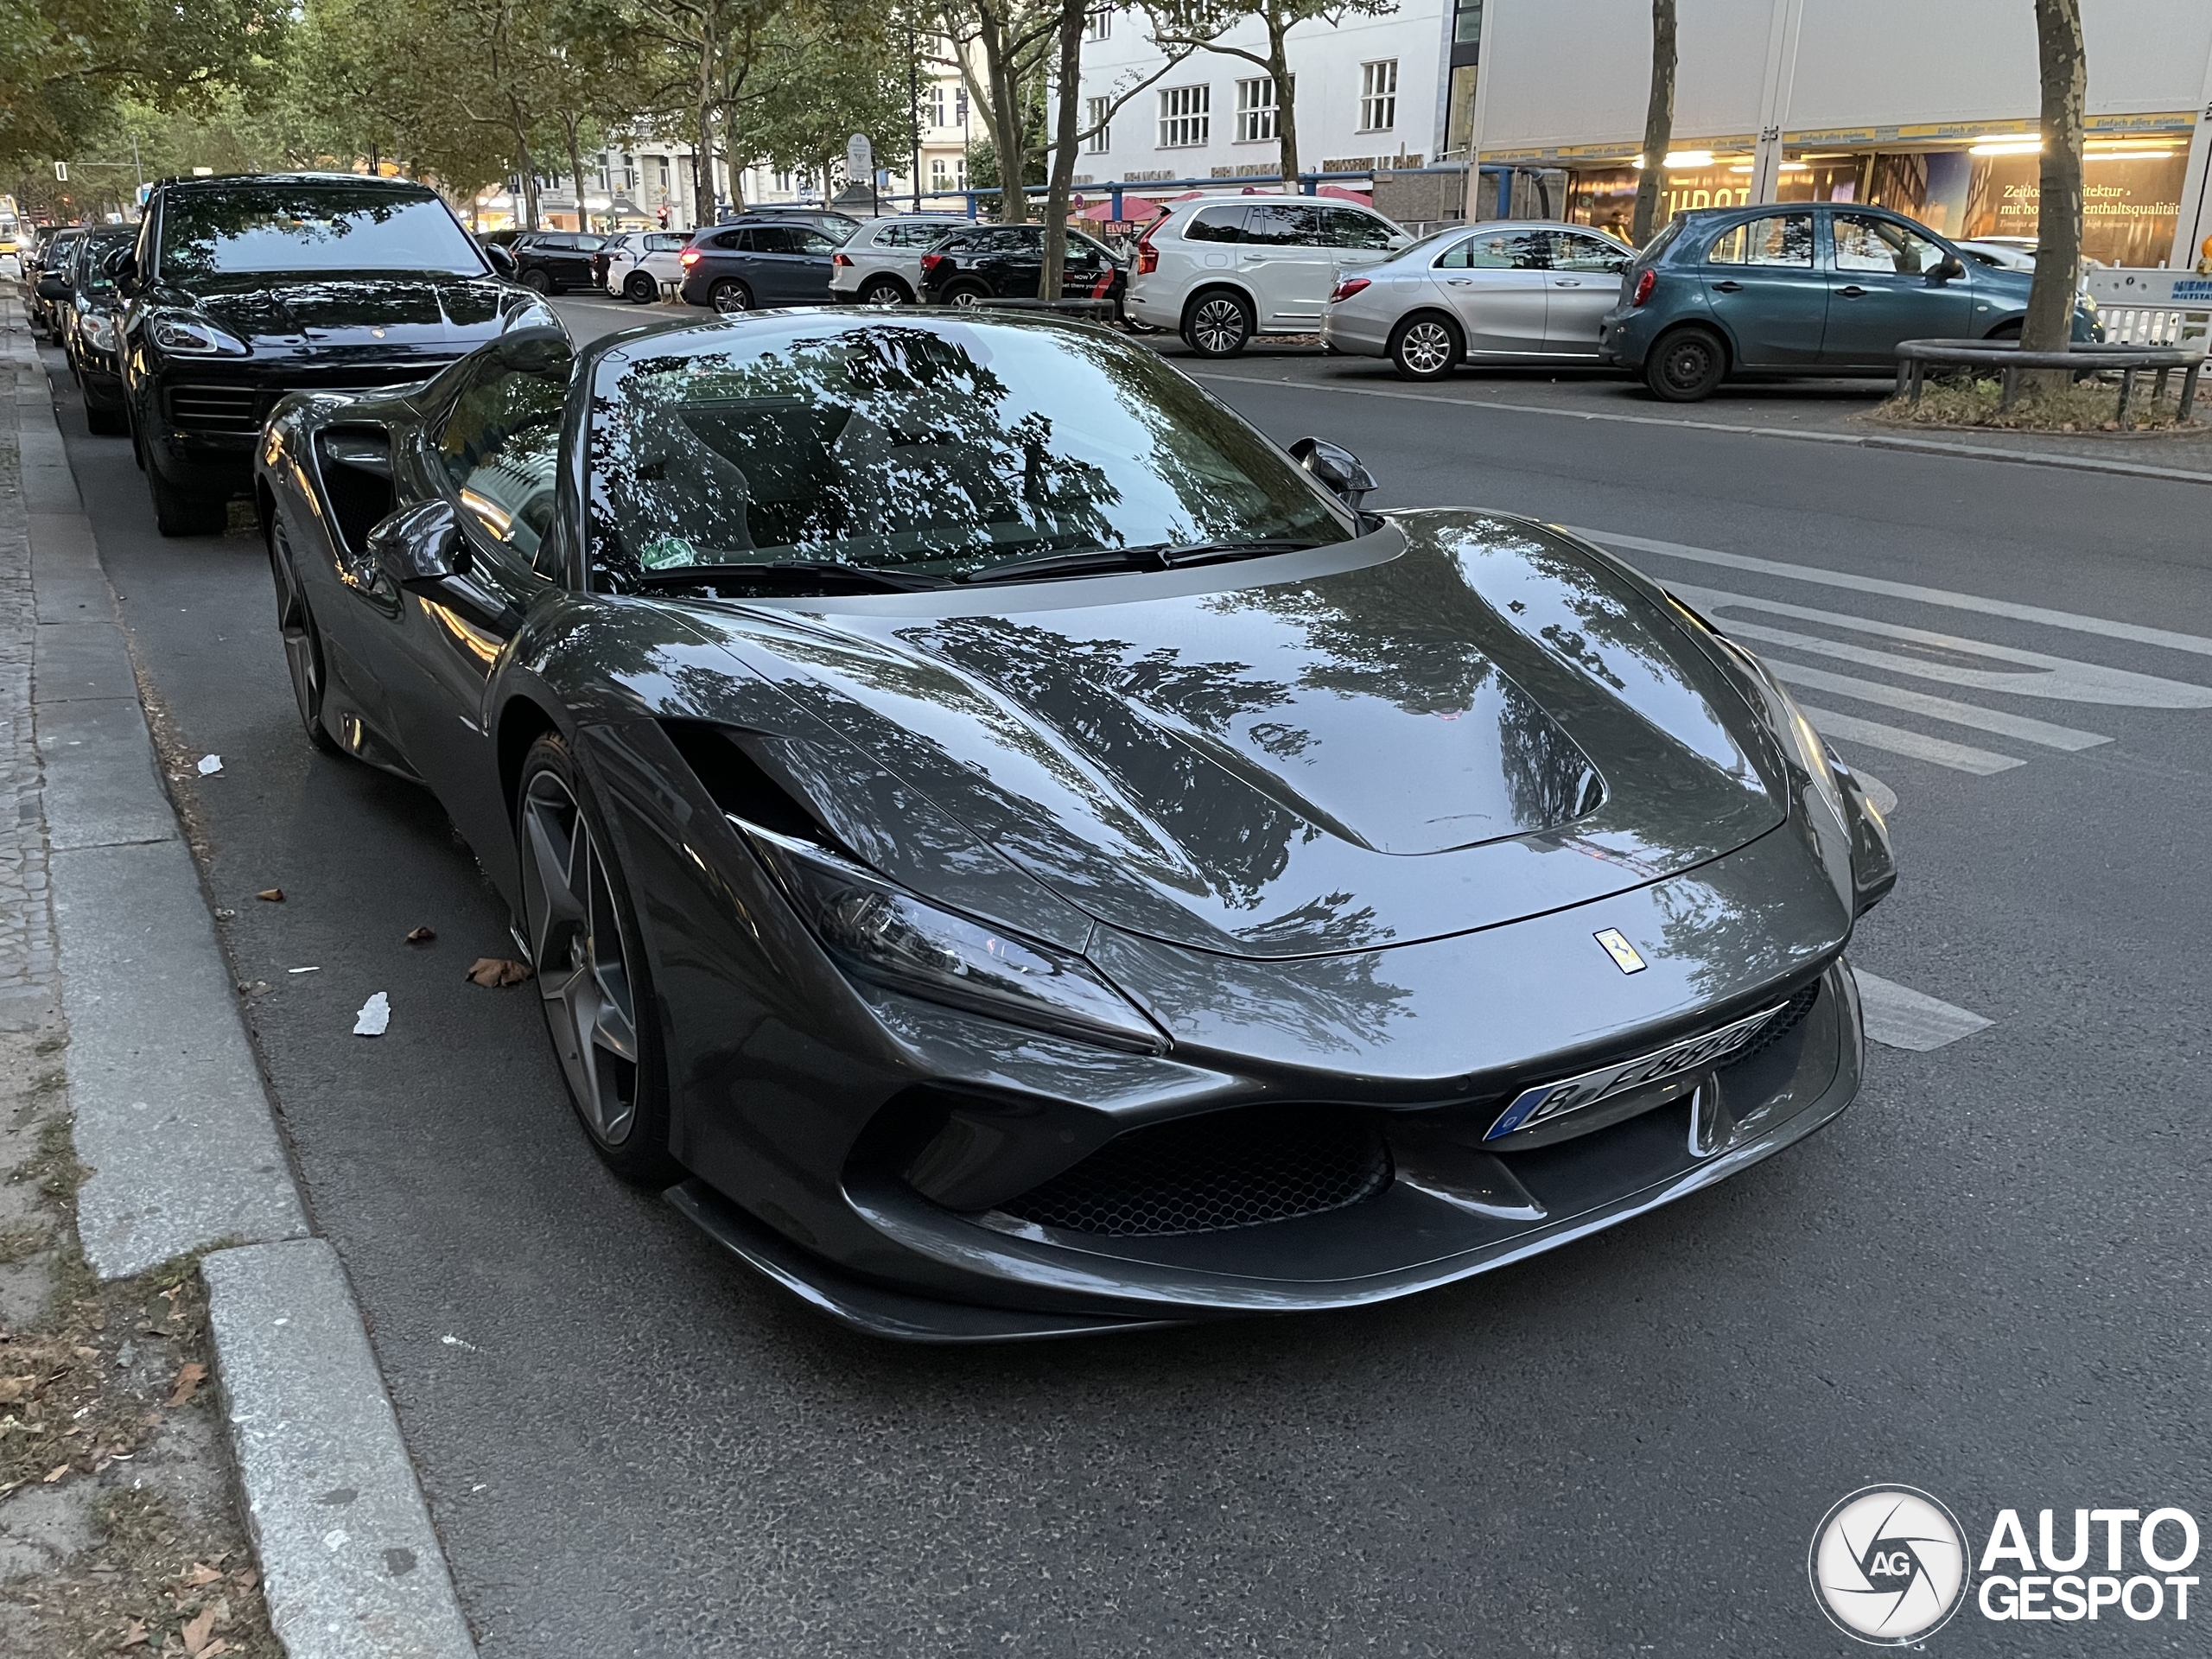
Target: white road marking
x: 1899, y: 1017
x: 1884, y: 798
x: 2135, y: 633
x: 1959, y: 757
x: 1920, y: 703
x: 2061, y: 678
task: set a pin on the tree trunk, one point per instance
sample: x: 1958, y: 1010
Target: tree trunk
x: 1074, y: 14
x: 2048, y: 326
x: 1006, y: 122
x: 576, y: 168
x: 702, y: 158
x: 1658, y: 123
x: 1286, y: 98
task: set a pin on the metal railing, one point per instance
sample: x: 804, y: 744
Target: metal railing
x: 2005, y: 356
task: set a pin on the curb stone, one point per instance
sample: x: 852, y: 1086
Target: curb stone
x: 173, y: 1118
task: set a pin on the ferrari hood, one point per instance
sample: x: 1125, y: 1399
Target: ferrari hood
x: 1458, y: 721
x: 338, y: 310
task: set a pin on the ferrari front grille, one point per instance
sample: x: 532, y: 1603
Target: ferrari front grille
x: 1786, y: 1019
x: 1205, y: 1174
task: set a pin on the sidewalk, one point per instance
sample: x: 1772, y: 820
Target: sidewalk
x: 151, y: 1234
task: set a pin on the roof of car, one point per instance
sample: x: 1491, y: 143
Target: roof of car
x: 398, y: 187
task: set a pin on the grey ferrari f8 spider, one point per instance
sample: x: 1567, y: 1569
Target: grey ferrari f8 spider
x: 1014, y: 853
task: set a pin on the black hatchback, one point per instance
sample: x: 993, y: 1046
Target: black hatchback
x: 553, y: 261
x: 1006, y: 262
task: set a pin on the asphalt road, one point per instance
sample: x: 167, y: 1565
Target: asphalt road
x: 1986, y: 1279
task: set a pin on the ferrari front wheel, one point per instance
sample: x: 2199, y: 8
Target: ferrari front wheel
x: 302, y: 640
x: 592, y: 981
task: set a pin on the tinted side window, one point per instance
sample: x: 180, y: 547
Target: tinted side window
x: 1499, y: 250
x: 732, y: 242
x: 1778, y: 239
x: 1216, y: 224
x: 1349, y: 228
x: 500, y: 444
x: 803, y: 240
x: 1285, y: 227
x: 664, y: 243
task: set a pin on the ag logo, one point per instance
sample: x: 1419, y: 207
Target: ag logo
x: 1888, y: 1565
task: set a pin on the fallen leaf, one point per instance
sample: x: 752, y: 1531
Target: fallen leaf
x: 189, y: 1376
x: 422, y: 935
x: 247, y: 1578
x: 202, y: 1574
x: 375, y: 1017
x: 495, y: 973
x: 134, y: 1634
x: 215, y: 1649
x: 271, y: 895
x: 196, y: 1632
x: 56, y: 1473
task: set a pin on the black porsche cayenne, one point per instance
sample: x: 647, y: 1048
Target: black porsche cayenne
x: 245, y: 288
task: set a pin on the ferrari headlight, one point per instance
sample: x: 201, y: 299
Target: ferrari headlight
x: 188, y: 338
x: 877, y: 933
x: 1799, y: 741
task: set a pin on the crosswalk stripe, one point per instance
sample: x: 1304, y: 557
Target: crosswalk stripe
x: 1897, y: 1016
x: 2194, y: 643
x: 1944, y: 708
x: 1896, y: 740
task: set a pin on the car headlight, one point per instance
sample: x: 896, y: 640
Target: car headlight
x: 1800, y: 743
x: 99, y: 330
x: 188, y: 338
x: 875, y: 932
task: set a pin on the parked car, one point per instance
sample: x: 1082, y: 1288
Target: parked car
x: 1006, y: 262
x: 2005, y: 256
x: 761, y: 261
x: 881, y: 264
x: 1505, y: 293
x: 51, y: 256
x: 243, y: 288
x: 1013, y: 852
x: 92, y: 330
x: 1220, y: 272
x: 1818, y: 287
x: 827, y: 221
x: 552, y: 262
x: 634, y: 263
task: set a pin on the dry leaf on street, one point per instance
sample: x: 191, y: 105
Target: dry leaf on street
x: 216, y: 1649
x: 196, y: 1632
x: 271, y: 895
x: 494, y: 972
x: 202, y: 1574
x: 422, y: 935
x: 56, y: 1473
x: 134, y: 1634
x: 189, y: 1376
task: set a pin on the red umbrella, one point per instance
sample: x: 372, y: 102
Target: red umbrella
x: 1359, y: 196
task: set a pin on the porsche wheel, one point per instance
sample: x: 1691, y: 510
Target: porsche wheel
x: 591, y: 976
x: 303, y: 641
x: 177, y: 513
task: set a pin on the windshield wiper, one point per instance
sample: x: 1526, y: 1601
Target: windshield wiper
x: 792, y: 574
x: 1152, y: 555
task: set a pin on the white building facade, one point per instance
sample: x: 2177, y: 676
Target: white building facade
x: 1931, y: 109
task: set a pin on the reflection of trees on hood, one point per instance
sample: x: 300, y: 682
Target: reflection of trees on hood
x: 858, y: 438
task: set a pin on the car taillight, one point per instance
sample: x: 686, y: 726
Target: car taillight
x: 932, y: 261
x: 1147, y: 256
x: 840, y: 261
x: 1645, y: 281
x: 688, y: 259
x: 1346, y: 288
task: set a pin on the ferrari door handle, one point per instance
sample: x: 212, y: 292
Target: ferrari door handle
x: 1727, y: 288
x: 1852, y: 291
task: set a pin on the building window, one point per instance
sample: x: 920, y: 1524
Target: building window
x: 1467, y: 23
x: 1099, y: 24
x: 960, y: 107
x: 1255, y: 111
x: 1094, y: 110
x: 948, y: 175
x: 1378, y: 96
x: 1186, y: 117
x: 780, y: 180
x: 935, y: 114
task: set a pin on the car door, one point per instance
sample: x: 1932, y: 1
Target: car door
x: 810, y: 255
x: 494, y: 455
x: 1360, y: 239
x: 1887, y: 285
x: 1288, y: 264
x: 1584, y: 284
x: 1494, y: 281
x: 1762, y: 285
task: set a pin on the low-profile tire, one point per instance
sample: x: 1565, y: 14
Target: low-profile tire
x: 107, y: 422
x: 639, y: 288
x: 592, y: 983
x: 886, y: 290
x: 1219, y: 323
x: 730, y: 295
x: 537, y: 281
x: 303, y: 654
x: 966, y: 293
x: 1426, y: 346
x: 177, y: 512
x: 1686, y: 365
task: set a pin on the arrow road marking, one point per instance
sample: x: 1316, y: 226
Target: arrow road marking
x: 1958, y: 714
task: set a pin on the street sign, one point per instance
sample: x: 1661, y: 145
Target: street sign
x: 61, y: 172
x: 860, y: 158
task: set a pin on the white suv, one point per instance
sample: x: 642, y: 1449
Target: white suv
x: 1218, y: 272
x: 881, y: 264
x: 636, y: 263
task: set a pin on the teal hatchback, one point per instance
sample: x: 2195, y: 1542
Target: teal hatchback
x: 1798, y: 288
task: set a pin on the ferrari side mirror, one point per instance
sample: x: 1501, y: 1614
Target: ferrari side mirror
x: 416, y: 546
x: 1335, y: 468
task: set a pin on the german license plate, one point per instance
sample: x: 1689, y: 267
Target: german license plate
x: 1547, y: 1101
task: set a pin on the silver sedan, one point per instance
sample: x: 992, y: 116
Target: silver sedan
x: 1505, y: 292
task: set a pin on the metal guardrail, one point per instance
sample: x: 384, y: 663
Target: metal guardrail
x: 2004, y: 355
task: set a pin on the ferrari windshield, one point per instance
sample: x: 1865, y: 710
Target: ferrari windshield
x: 937, y: 448
x: 220, y: 230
